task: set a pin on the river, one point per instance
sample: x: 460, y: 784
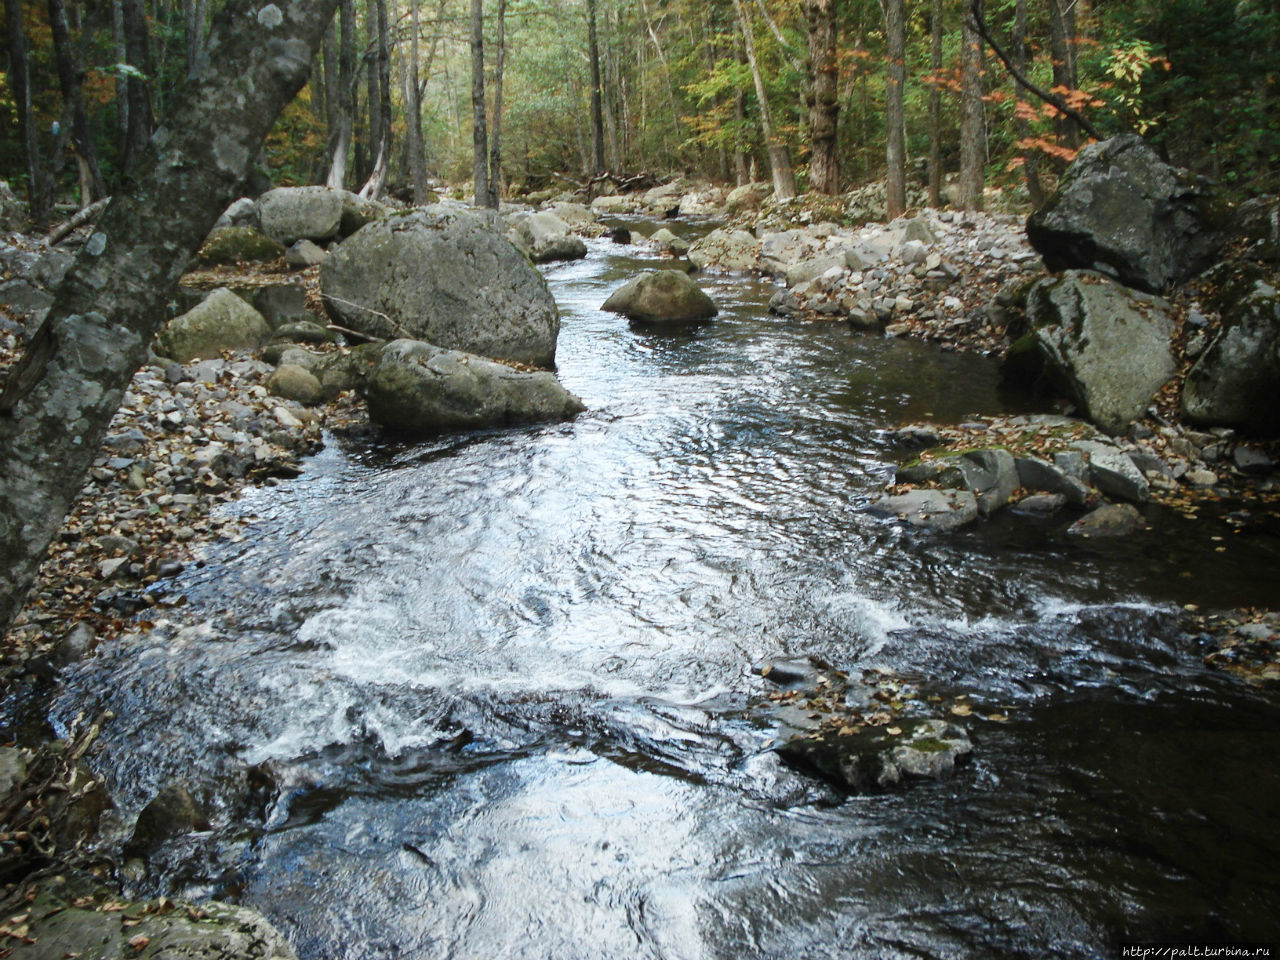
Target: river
x: 495, y: 684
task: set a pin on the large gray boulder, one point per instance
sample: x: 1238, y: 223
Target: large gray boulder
x: 290, y: 214
x: 420, y: 389
x: 544, y: 237
x: 1236, y: 381
x: 222, y: 321
x: 661, y: 296
x: 726, y: 249
x: 1106, y: 347
x: 446, y: 277
x: 1123, y: 211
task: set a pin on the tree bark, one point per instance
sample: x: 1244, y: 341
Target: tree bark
x: 59, y: 398
x: 597, y: 95
x: 19, y: 75
x: 824, y: 105
x: 1030, y: 158
x: 495, y: 134
x: 485, y: 196
x: 340, y: 136
x: 137, y: 90
x: 380, y: 102
x: 413, y: 105
x: 935, y: 105
x: 896, y: 136
x: 972, y: 152
x: 71, y: 83
x: 784, y: 182
x: 1062, y: 53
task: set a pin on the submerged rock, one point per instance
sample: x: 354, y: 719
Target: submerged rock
x: 879, y: 758
x: 661, y: 296
x: 418, y: 388
x: 445, y: 277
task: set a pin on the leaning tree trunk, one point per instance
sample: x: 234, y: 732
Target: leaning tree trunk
x: 784, y: 181
x: 824, y: 108
x: 71, y: 83
x: 597, y: 95
x: 60, y: 397
x: 19, y: 74
x: 485, y: 196
x: 896, y: 141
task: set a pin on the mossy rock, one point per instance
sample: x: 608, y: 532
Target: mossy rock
x: 230, y: 245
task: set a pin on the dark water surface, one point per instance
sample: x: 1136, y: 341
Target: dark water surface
x: 498, y: 682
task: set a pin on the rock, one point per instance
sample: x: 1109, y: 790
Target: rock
x: 241, y: 213
x: 1109, y: 520
x: 806, y: 270
x: 919, y: 230
x: 108, y: 569
x: 1113, y: 472
x: 114, y: 543
x: 1200, y: 478
x: 779, y: 251
x: 913, y: 251
x: 703, y: 203
x: 1107, y: 348
x: 348, y: 369
x: 51, y: 267
x: 221, y: 322
x: 292, y: 382
x: 875, y: 760
x: 726, y: 249
x: 932, y: 509
x: 304, y: 254
x: 992, y: 476
x: 173, y: 812
x: 303, y: 331
x: 21, y: 297
x: 620, y: 235
x: 1236, y: 380
x: 546, y: 238
x: 419, y: 388
x: 297, y: 356
x: 1252, y: 460
x: 358, y: 212
x: 1037, y: 474
x: 749, y: 196
x: 1040, y: 504
x: 785, y: 304
x: 661, y: 296
x: 614, y: 205
x: 290, y: 214
x: 238, y: 245
x: 13, y: 212
x: 13, y: 770
x: 574, y: 214
x: 446, y: 277
x: 666, y: 240
x: 1123, y: 211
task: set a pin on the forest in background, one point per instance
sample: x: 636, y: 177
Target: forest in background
x: 818, y: 94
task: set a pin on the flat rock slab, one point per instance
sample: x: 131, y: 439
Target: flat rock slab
x: 932, y: 509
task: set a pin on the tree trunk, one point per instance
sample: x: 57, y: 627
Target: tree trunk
x: 972, y: 152
x: 70, y: 82
x: 380, y: 104
x: 597, y: 95
x: 19, y: 74
x: 896, y: 135
x: 1030, y: 158
x: 485, y: 196
x: 413, y: 106
x: 138, y: 55
x: 784, y: 182
x: 495, y: 139
x: 340, y: 137
x: 1062, y: 51
x: 59, y: 398
x: 824, y: 105
x: 741, y: 170
x: 935, y: 105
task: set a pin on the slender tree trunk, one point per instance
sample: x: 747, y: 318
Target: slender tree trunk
x: 59, y: 398
x: 1063, y: 55
x: 935, y: 105
x: 896, y: 135
x: 70, y: 81
x: 413, y: 106
x: 495, y: 137
x: 741, y: 169
x: 784, y: 183
x: 972, y: 146
x: 485, y: 196
x: 137, y: 89
x: 666, y: 69
x: 597, y: 96
x: 1030, y: 158
x: 380, y: 102
x: 824, y: 105
x: 340, y: 137
x: 19, y: 75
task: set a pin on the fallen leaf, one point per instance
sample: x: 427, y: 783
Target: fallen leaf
x: 961, y: 709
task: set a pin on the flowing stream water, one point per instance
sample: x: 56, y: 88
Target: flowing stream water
x: 490, y: 689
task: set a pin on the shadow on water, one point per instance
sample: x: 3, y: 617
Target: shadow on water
x: 497, y: 682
